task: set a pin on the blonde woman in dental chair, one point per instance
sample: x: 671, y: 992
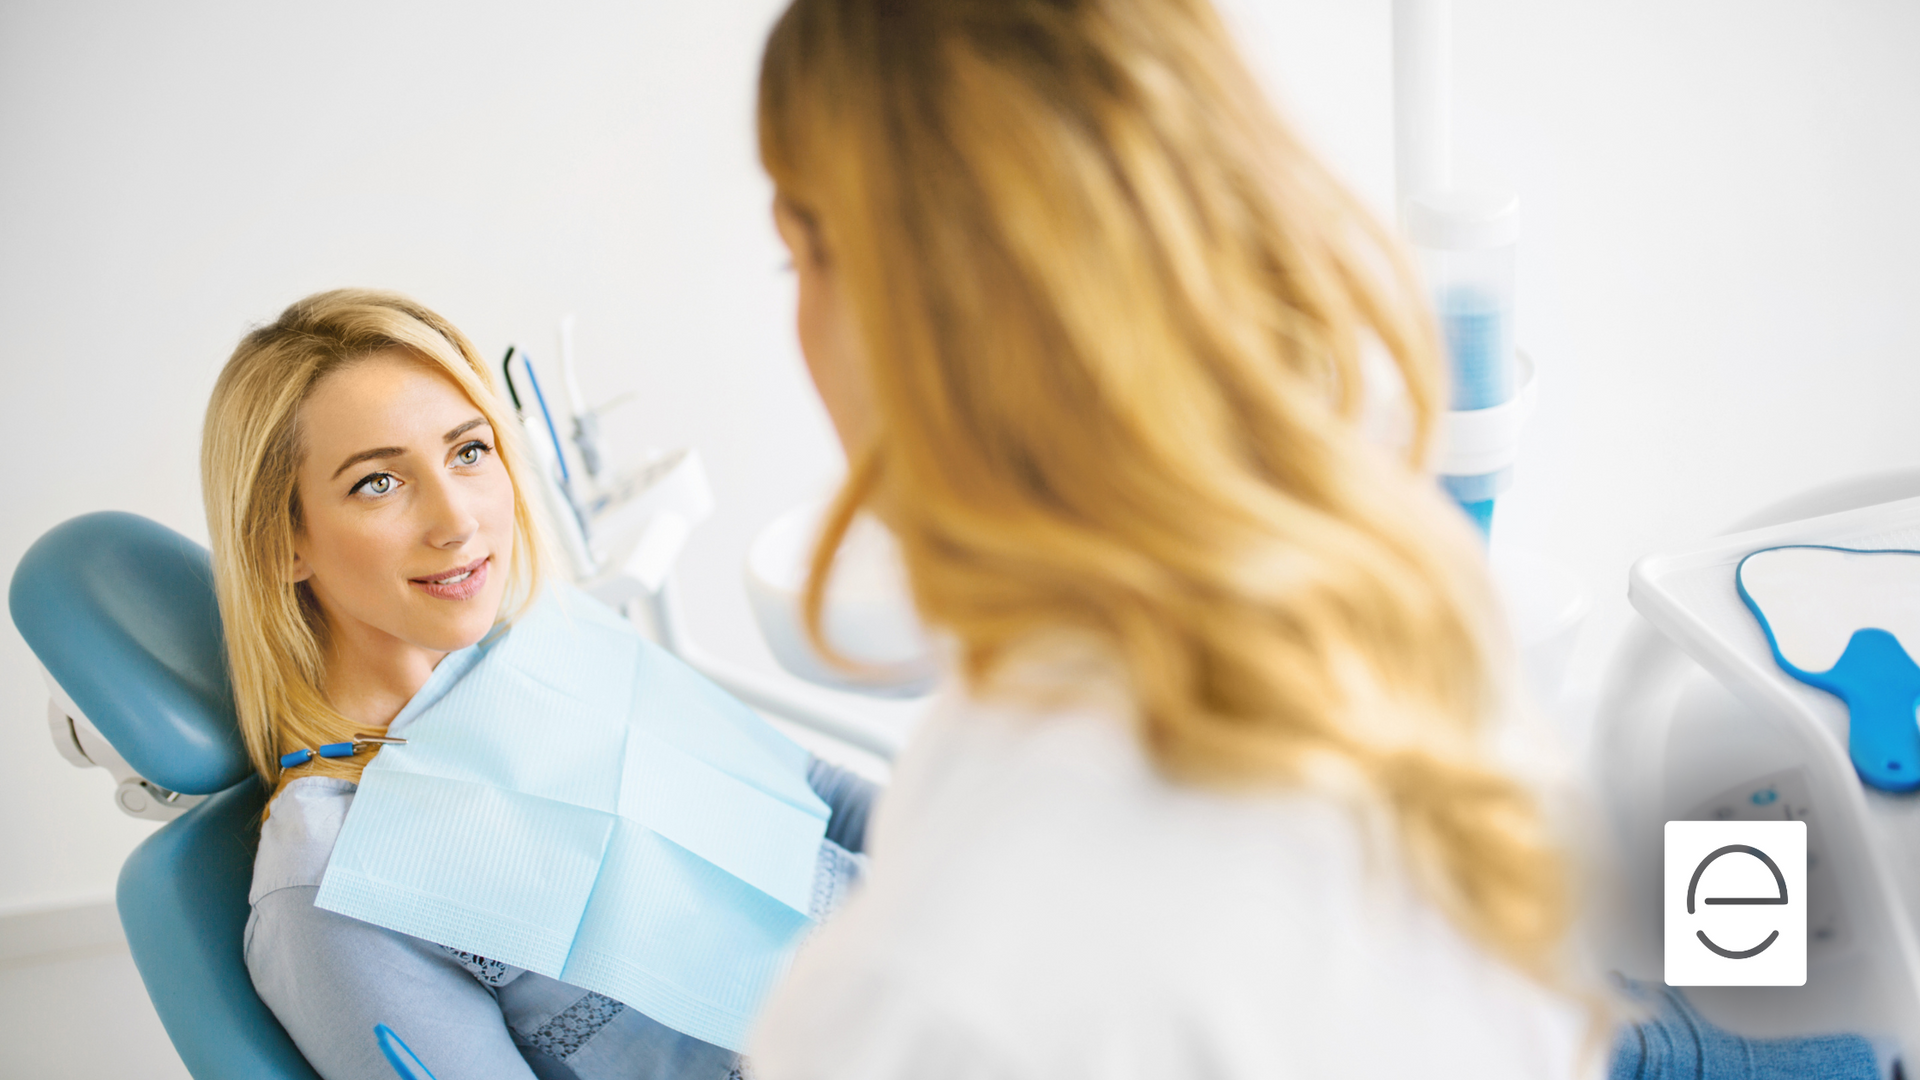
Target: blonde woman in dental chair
x: 370, y: 518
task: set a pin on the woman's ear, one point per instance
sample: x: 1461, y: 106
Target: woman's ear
x: 800, y: 229
x: 298, y: 570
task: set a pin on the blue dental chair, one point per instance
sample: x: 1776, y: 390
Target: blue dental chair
x: 120, y: 612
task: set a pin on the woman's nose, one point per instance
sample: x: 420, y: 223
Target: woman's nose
x: 450, y: 522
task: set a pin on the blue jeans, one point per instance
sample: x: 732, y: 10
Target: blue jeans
x: 1679, y: 1044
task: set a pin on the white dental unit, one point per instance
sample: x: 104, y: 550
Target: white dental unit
x: 1698, y: 722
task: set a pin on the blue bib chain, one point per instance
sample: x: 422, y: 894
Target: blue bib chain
x: 337, y: 749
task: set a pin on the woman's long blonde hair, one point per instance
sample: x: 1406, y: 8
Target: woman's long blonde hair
x: 250, y: 455
x: 1115, y: 315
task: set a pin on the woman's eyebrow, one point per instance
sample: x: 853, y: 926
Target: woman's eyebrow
x: 464, y: 428
x: 367, y: 455
x: 396, y: 451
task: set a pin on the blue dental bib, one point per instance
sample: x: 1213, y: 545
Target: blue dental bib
x: 575, y: 801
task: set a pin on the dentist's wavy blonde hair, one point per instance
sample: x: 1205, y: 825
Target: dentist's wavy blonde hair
x: 250, y: 455
x: 1114, y: 314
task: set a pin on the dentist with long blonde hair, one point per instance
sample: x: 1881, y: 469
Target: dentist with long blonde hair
x: 1211, y: 792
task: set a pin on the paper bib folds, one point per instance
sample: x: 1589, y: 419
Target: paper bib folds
x: 575, y: 801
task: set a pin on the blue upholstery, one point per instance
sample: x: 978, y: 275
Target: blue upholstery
x: 183, y: 900
x: 121, y: 611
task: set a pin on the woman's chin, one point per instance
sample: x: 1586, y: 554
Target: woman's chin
x: 452, y: 630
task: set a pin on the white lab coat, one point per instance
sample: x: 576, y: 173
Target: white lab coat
x: 1042, y: 904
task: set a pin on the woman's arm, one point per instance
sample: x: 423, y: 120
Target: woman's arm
x: 329, y: 979
x: 849, y: 795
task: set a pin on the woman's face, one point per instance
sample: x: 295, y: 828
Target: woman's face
x: 828, y: 337
x: 406, y: 510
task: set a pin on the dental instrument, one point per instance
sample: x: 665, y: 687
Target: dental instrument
x: 630, y: 523
x: 546, y: 415
x: 557, y: 493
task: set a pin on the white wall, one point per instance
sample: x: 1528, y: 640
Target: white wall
x: 1720, y: 253
x: 1718, y: 222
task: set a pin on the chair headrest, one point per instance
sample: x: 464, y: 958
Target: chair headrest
x: 121, y: 612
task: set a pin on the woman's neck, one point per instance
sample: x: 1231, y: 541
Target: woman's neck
x: 371, y: 676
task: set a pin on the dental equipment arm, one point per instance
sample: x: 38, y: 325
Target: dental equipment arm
x: 639, y: 525
x: 809, y: 708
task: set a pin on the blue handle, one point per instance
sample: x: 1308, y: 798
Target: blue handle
x: 404, y: 1061
x: 1881, y: 685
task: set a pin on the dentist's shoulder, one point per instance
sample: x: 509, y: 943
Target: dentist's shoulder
x: 1045, y: 903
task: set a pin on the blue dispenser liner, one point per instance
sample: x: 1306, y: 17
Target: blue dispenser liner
x: 1478, y: 333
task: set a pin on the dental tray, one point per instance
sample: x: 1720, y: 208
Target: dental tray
x: 1690, y: 596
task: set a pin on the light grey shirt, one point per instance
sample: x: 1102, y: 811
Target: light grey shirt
x: 329, y: 979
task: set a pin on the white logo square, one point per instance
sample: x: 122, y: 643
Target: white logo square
x: 1736, y: 903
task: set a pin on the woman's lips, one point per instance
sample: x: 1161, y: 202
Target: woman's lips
x: 460, y: 583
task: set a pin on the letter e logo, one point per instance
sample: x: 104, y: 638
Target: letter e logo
x: 1736, y: 903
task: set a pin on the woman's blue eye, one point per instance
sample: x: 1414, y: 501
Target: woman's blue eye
x: 471, y: 453
x: 375, y: 484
